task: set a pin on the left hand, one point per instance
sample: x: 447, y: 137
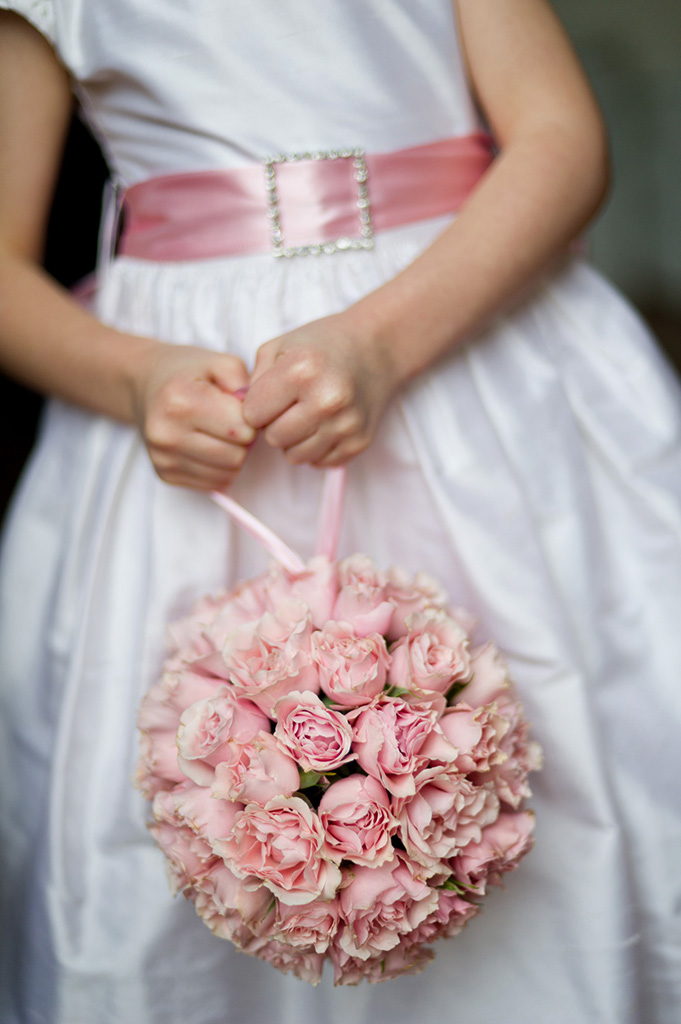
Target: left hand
x: 319, y: 392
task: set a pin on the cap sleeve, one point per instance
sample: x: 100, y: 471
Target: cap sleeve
x: 40, y: 13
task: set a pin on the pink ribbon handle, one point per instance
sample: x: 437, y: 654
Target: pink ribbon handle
x: 328, y: 530
x: 331, y: 512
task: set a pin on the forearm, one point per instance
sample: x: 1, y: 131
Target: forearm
x: 534, y: 200
x: 46, y: 340
x: 50, y: 343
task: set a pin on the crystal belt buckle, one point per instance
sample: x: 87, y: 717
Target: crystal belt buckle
x: 365, y: 240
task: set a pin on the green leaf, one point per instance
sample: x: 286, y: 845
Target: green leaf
x: 454, y: 691
x: 396, y: 691
x: 308, y: 779
x: 270, y: 908
x: 452, y: 886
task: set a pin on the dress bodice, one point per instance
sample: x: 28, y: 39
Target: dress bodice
x: 169, y: 85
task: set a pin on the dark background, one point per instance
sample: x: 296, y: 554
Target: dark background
x: 632, y: 53
x: 71, y: 245
x: 70, y: 254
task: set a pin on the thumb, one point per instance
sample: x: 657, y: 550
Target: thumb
x: 228, y: 373
x: 264, y: 359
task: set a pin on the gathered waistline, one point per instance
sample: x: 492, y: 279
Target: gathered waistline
x: 299, y: 204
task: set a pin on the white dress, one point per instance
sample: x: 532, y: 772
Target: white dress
x: 537, y: 473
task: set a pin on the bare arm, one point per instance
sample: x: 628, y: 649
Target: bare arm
x: 178, y: 396
x: 47, y: 340
x: 320, y: 392
x: 548, y: 182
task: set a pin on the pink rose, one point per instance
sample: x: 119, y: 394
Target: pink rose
x: 356, y: 816
x: 189, y: 856
x: 432, y: 657
x: 449, y: 917
x: 210, y: 728
x: 283, y: 844
x: 388, y: 737
x: 381, y: 904
x: 489, y: 676
x: 402, y: 959
x: 188, y: 634
x: 521, y: 756
x: 272, y: 659
x: 245, y: 605
x: 446, y: 814
x: 361, y: 601
x: 256, y: 772
x: 317, y: 737
x: 304, y: 964
x: 499, y: 849
x: 194, y: 807
x: 316, y: 586
x: 453, y: 912
x: 158, y: 719
x: 312, y: 926
x: 157, y: 766
x: 352, y: 670
x: 477, y: 734
x: 234, y: 911
x: 409, y: 595
x: 163, y: 705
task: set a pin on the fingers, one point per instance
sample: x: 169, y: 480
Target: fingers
x: 265, y: 357
x: 186, y: 471
x: 308, y: 377
x: 193, y: 427
x: 221, y: 416
x: 209, y: 451
x: 269, y: 396
x: 291, y: 428
x: 324, y: 449
x: 228, y: 373
x: 309, y: 395
x: 303, y: 439
x: 196, y: 459
x: 186, y: 405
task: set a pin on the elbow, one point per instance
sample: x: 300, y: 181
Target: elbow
x: 575, y: 152
x: 597, y: 167
x: 587, y: 149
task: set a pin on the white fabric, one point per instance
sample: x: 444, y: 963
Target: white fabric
x: 537, y: 473
x: 40, y: 13
x: 171, y: 86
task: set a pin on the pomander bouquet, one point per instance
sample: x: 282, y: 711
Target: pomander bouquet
x: 335, y: 774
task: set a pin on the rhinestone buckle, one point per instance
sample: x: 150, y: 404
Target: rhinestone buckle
x: 365, y: 240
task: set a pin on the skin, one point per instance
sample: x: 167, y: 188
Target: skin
x: 317, y: 393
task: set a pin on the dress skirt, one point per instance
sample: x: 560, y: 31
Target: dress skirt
x: 537, y: 474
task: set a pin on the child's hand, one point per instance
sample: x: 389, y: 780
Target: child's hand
x: 319, y: 391
x: 189, y: 417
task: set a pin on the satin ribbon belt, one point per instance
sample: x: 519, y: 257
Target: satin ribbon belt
x: 301, y: 204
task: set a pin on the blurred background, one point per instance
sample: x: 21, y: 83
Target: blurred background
x: 632, y: 53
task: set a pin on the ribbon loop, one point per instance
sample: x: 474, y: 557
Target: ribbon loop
x: 328, y: 530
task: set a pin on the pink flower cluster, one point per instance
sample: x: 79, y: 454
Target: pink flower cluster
x: 335, y: 773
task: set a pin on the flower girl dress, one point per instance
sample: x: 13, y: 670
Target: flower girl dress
x: 536, y: 473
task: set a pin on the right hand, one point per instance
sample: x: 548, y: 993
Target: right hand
x: 190, y: 418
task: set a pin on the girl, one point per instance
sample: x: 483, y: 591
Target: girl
x: 508, y: 423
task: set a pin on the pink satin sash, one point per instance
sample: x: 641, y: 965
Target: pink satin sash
x: 207, y: 214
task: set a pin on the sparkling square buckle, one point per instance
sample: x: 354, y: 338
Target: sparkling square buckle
x: 365, y: 239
